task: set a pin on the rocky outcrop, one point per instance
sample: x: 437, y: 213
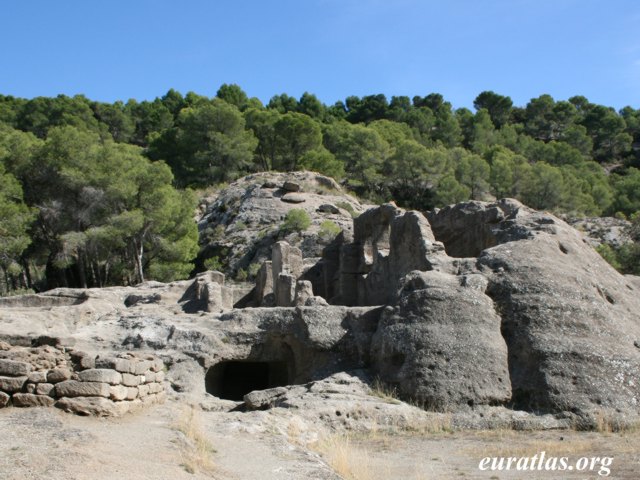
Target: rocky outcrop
x: 473, y: 307
x: 244, y: 220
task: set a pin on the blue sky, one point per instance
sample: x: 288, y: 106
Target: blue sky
x: 116, y: 50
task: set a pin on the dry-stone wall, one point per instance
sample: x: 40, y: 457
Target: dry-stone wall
x: 77, y: 382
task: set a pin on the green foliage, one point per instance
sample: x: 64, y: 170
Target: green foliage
x: 296, y: 220
x: 328, y: 230
x: 241, y: 275
x: 253, y: 269
x: 213, y: 263
x: 610, y: 255
x: 349, y: 208
x: 107, y: 215
x: 15, y: 220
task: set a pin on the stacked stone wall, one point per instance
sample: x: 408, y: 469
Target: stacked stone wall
x: 75, y: 381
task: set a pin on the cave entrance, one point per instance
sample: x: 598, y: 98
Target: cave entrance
x: 232, y: 380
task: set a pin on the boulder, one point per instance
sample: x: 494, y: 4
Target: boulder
x: 290, y: 186
x: 328, y: 208
x: 293, y: 198
x: 441, y: 345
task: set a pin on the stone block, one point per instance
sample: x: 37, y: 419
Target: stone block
x: 160, y: 376
x: 103, y: 375
x: 143, y: 390
x: 157, y: 366
x: 149, y: 376
x: 38, y: 377
x: 11, y: 368
x: 45, y: 389
x: 121, y: 365
x: 155, y: 388
x: 30, y: 388
x: 285, y: 290
x: 31, y: 400
x: 132, y: 393
x: 264, y: 282
x: 58, y: 375
x: 142, y: 366
x: 73, y: 388
x: 118, y: 392
x: 12, y: 384
x: 129, y: 380
x: 4, y: 399
x: 97, y: 406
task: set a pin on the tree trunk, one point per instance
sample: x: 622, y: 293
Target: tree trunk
x: 139, y: 251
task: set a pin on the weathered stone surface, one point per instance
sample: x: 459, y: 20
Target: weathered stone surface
x: 121, y: 365
x: 261, y: 399
x: 45, y: 389
x: 441, y: 345
x: 38, y: 377
x: 264, y: 282
x: 12, y: 384
x: 58, y: 375
x: 101, y: 375
x: 142, y: 366
x: 293, y: 198
x: 160, y: 376
x: 149, y: 376
x: 328, y: 208
x: 132, y: 393
x: 4, y: 399
x: 304, y: 291
x: 31, y: 400
x: 10, y: 368
x: 285, y: 290
x: 143, y: 390
x: 155, y: 387
x: 73, y: 388
x: 130, y: 380
x: 97, y: 406
x: 118, y: 392
x: 290, y: 186
x: 30, y: 388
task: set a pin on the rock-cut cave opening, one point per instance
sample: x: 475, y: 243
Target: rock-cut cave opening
x: 232, y: 380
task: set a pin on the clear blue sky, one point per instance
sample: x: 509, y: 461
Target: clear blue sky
x: 114, y: 49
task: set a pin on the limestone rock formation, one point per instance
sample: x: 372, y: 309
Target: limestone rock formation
x: 477, y: 308
x: 243, y: 221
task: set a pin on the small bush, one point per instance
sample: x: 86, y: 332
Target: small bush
x: 241, y: 275
x: 296, y: 220
x: 328, y: 230
x: 213, y: 263
x: 349, y: 208
x: 253, y: 269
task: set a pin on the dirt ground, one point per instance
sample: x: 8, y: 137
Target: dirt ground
x: 45, y: 443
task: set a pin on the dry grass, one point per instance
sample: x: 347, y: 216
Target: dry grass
x: 196, y: 449
x: 346, y: 459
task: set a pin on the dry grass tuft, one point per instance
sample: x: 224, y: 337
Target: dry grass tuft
x: 346, y: 459
x: 196, y: 449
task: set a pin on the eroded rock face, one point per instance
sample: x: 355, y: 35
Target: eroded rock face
x: 483, y: 305
x: 441, y: 344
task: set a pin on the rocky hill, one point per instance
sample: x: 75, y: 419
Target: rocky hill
x: 239, y: 225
